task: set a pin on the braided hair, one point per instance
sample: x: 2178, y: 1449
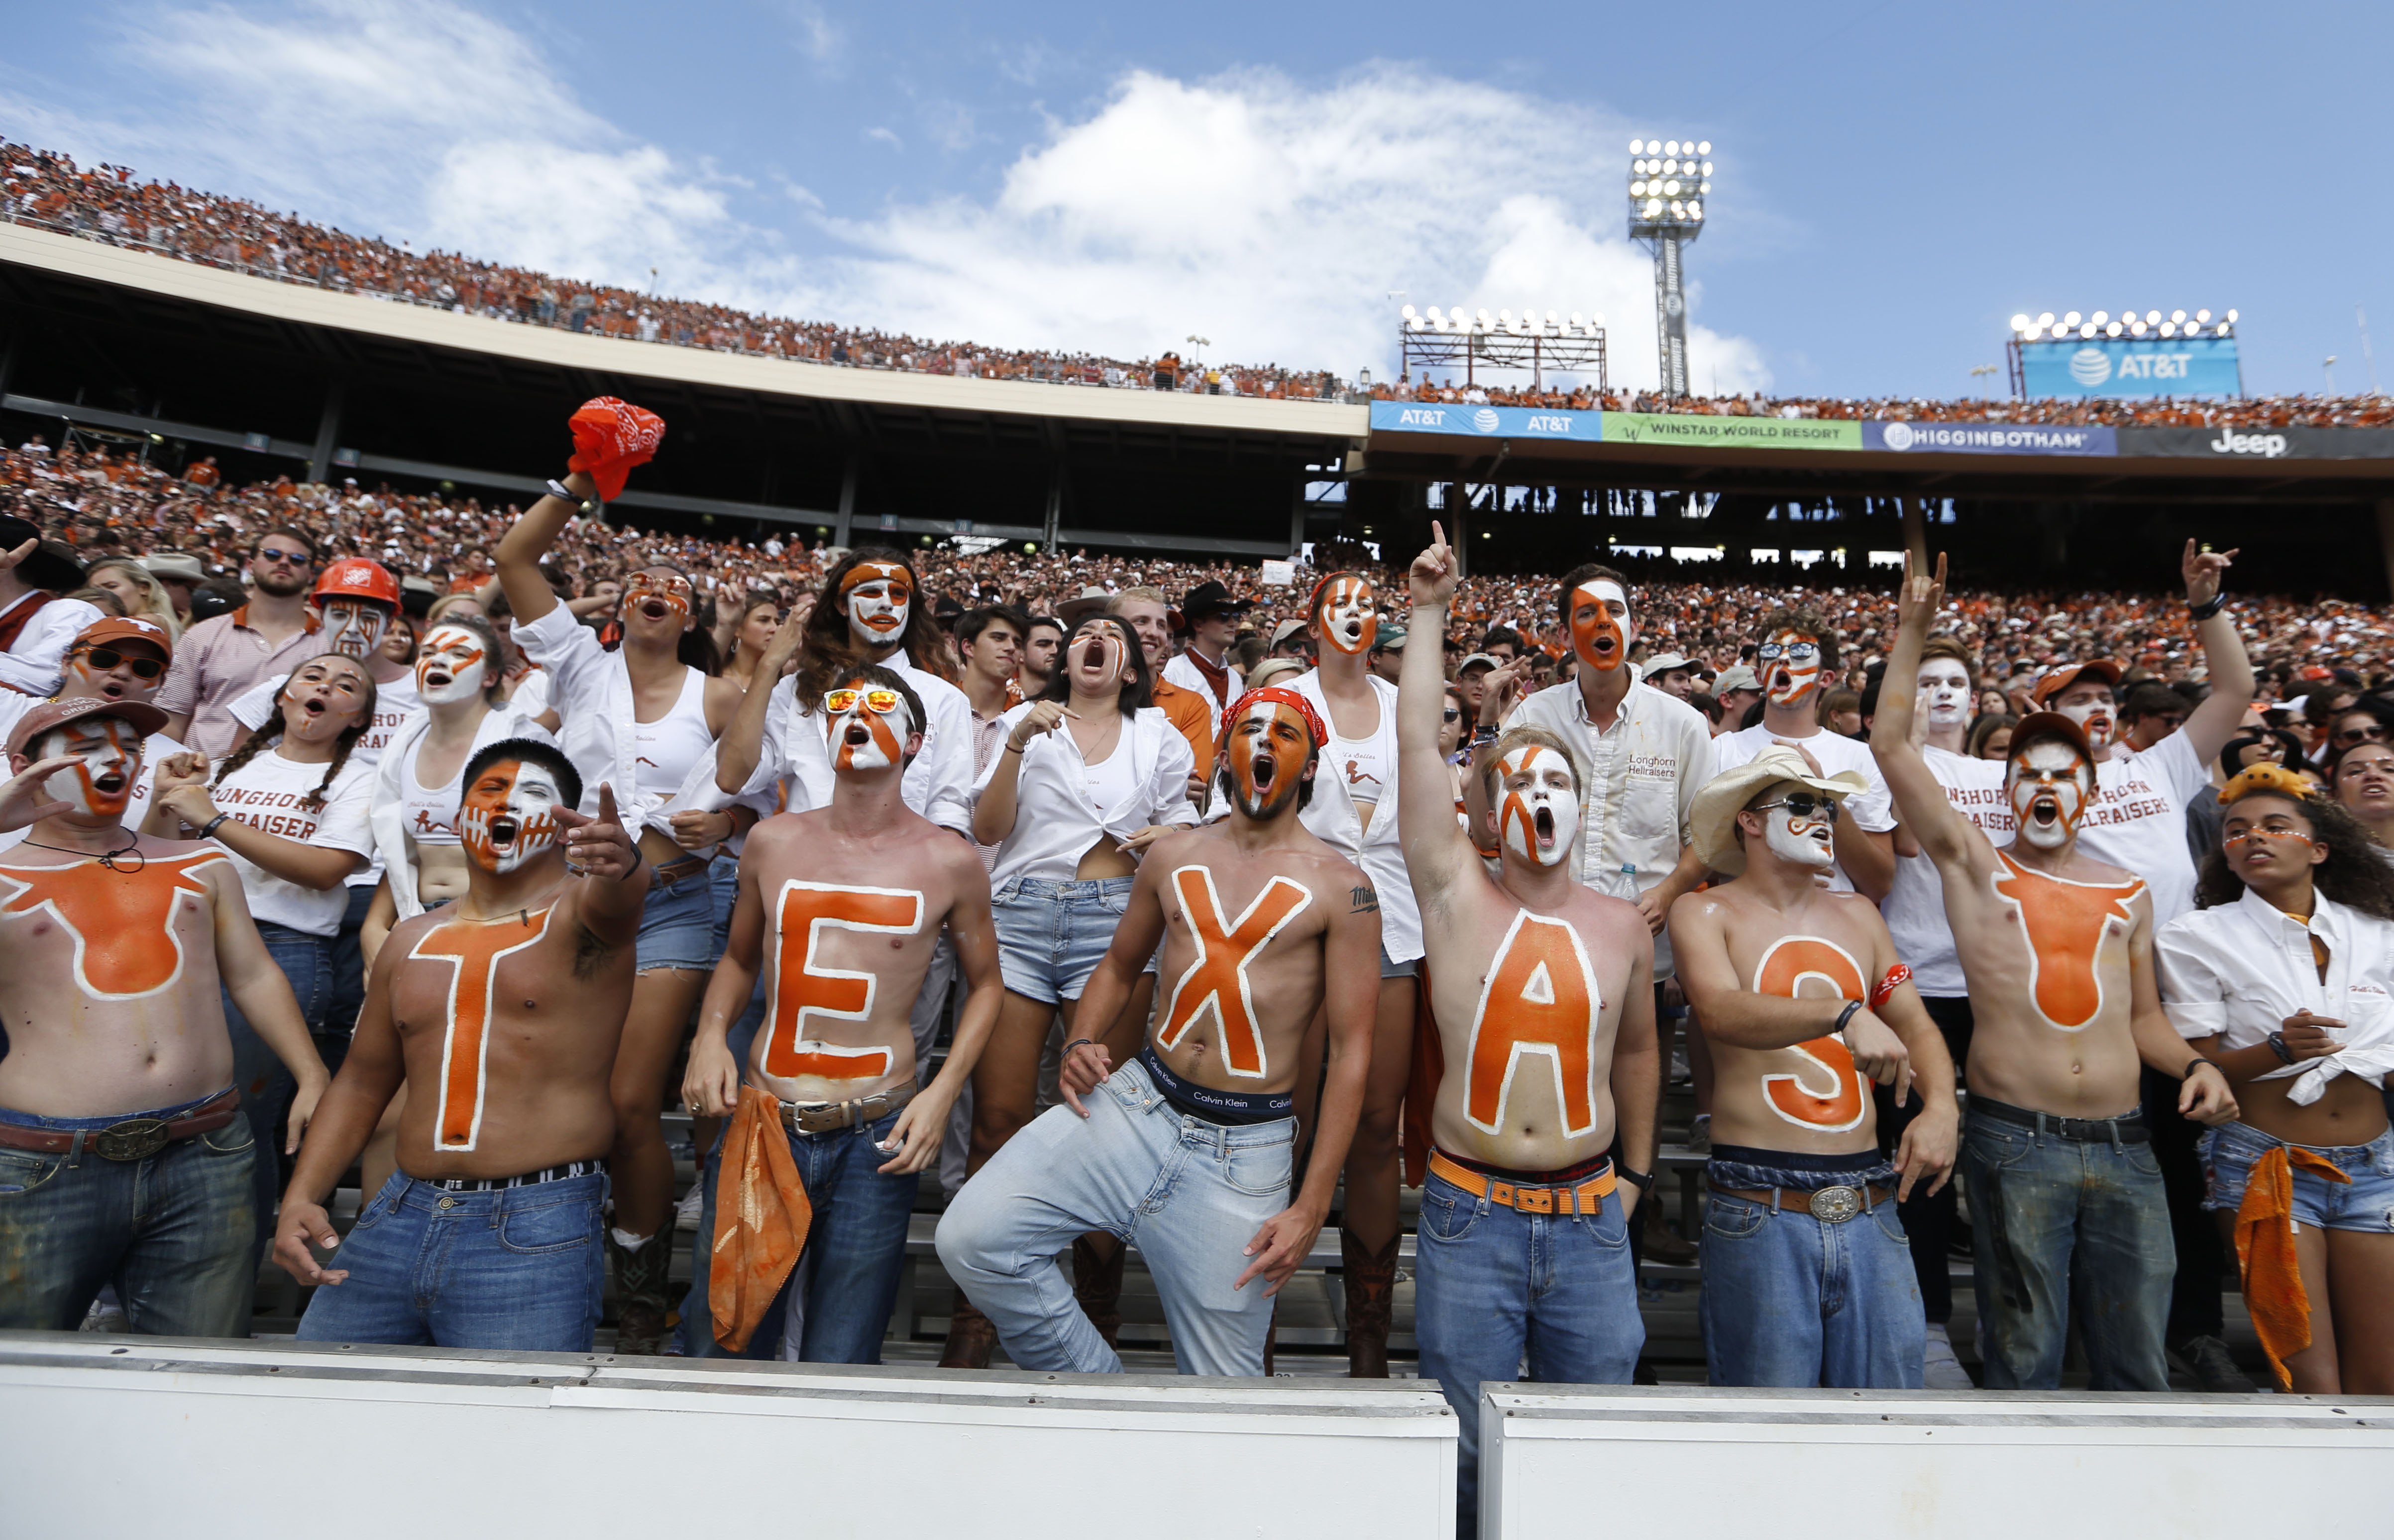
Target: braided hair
x: 269, y: 732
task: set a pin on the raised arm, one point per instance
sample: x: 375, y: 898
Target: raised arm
x: 1436, y: 852
x: 2211, y: 724
x: 1928, y: 815
x: 528, y: 540
x: 614, y: 885
x: 742, y: 745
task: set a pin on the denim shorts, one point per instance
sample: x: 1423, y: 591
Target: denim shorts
x: 1391, y: 969
x: 1051, y: 936
x: 677, y: 926
x: 723, y: 880
x: 2365, y: 1204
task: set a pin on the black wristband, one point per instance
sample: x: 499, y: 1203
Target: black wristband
x: 1644, y: 1179
x: 1483, y: 734
x: 2197, y: 1062
x: 209, y: 828
x: 2277, y: 1046
x: 1077, y: 1042
x: 1846, y: 1015
x: 638, y: 856
x: 2205, y: 611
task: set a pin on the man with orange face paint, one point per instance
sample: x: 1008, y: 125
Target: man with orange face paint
x: 1182, y: 1142
x: 114, y: 659
x: 840, y: 909
x: 124, y: 1157
x: 1543, y: 993
x: 1808, y: 1276
x: 499, y: 1013
x: 2058, y: 950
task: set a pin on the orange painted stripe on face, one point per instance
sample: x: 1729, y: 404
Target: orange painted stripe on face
x: 476, y: 947
x: 1218, y: 981
x: 2065, y: 924
x: 1540, y: 1000
x: 1790, y: 962
x: 801, y: 988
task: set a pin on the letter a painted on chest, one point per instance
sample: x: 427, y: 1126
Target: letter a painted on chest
x: 1824, y: 1061
x: 1218, y: 981
x: 2066, y: 923
x: 800, y: 988
x: 1540, y: 999
x: 476, y: 947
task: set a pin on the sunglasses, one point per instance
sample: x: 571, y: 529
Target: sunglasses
x: 1452, y: 713
x: 1805, y: 805
x: 2373, y: 732
x: 104, y: 658
x: 879, y: 702
x: 284, y: 558
x: 1795, y: 652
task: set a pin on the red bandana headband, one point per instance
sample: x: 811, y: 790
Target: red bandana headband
x: 876, y: 572
x: 1290, y: 698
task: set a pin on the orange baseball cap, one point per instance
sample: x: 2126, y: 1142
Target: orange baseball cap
x: 127, y: 628
x: 2059, y: 677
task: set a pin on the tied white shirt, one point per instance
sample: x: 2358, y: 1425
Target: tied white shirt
x: 1056, y: 817
x: 1338, y: 823
x: 2238, y: 971
x: 1872, y: 809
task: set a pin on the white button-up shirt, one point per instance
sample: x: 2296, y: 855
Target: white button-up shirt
x: 33, y: 662
x: 2237, y: 972
x: 1055, y: 822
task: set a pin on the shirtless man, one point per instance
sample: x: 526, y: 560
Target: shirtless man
x: 1543, y: 993
x: 2057, y: 950
x: 499, y: 1013
x: 841, y: 908
x: 1188, y: 1148
x: 1808, y: 1276
x: 123, y: 1157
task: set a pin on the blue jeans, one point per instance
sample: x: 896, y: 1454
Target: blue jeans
x: 2057, y: 1220
x: 521, y: 1269
x: 1792, y: 1300
x: 677, y: 925
x: 1187, y: 1192
x: 173, y: 1232
x: 348, y: 956
x: 835, y: 1307
x: 2365, y: 1203
x: 1051, y: 936
x: 267, y: 1084
x: 1493, y: 1285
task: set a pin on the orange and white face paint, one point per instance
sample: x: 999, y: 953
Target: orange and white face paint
x: 477, y: 948
x: 2088, y: 703
x: 1791, y: 667
x: 1824, y: 1093
x: 1096, y: 657
x: 1537, y: 817
x: 1600, y: 626
x: 2050, y: 785
x: 107, y: 751
x: 453, y: 666
x: 353, y: 627
x: 865, y: 727
x: 123, y: 922
x: 508, y: 815
x: 876, y: 597
x: 1344, y: 618
x: 1265, y: 754
x: 801, y: 992
x: 1541, y: 1001
x: 2076, y: 933
x: 1215, y: 983
x: 658, y: 595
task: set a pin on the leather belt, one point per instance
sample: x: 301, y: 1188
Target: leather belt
x: 135, y: 1139
x: 674, y: 871
x: 1585, y: 1198
x: 1830, y: 1205
x: 2129, y: 1127
x: 832, y: 1117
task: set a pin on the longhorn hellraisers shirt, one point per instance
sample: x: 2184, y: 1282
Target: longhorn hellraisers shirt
x: 2139, y: 820
x: 269, y: 793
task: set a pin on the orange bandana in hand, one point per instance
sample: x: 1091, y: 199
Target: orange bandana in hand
x: 609, y: 437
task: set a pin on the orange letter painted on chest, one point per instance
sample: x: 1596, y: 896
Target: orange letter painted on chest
x: 1217, y: 980
x: 1790, y: 962
x: 799, y: 989
x: 1540, y: 999
x: 2065, y: 924
x: 123, y: 921
x: 477, y: 948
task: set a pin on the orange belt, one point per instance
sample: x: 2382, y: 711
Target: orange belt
x: 1585, y: 1198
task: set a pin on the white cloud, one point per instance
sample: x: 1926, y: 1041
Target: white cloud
x: 1270, y: 215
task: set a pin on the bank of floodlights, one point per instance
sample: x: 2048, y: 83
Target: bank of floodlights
x: 1529, y: 324
x: 2127, y: 323
x: 1669, y: 180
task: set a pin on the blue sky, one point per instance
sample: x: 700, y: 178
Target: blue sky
x: 1895, y: 178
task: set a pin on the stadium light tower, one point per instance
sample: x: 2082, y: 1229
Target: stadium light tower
x: 1669, y: 180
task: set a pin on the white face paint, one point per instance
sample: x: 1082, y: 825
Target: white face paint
x: 452, y: 667
x: 1538, y: 817
x: 877, y: 610
x: 2049, y: 786
x: 2090, y: 707
x: 1944, y: 687
x: 1791, y: 667
x: 860, y: 737
x: 353, y: 627
x: 510, y: 815
x: 107, y: 751
x: 1348, y: 623
x: 1802, y: 842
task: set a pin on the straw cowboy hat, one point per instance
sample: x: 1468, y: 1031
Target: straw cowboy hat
x: 1712, y: 824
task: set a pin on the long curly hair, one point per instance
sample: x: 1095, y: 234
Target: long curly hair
x: 831, y: 648
x: 270, y: 733
x: 2355, y: 873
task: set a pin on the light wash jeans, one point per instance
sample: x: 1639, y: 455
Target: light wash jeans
x: 1190, y: 1193
x: 1792, y: 1300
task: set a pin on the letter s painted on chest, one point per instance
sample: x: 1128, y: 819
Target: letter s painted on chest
x: 1790, y: 962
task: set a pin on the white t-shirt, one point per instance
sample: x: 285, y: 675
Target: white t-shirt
x: 1871, y: 809
x: 2139, y: 820
x: 1915, y: 909
x: 267, y: 793
x: 394, y: 703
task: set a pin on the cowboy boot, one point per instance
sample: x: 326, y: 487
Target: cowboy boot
x: 1097, y: 1285
x: 641, y: 1282
x: 971, y: 1337
x: 1371, y: 1279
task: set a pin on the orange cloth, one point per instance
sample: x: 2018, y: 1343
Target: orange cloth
x: 761, y: 1216
x: 2265, y: 1254
x: 609, y: 437
x: 1190, y: 711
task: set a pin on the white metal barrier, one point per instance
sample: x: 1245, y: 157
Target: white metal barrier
x: 1845, y: 1465
x: 116, y: 1434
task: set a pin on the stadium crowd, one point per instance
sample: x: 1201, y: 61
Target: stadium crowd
x: 47, y: 190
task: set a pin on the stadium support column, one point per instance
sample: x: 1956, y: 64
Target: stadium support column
x: 845, y: 528
x: 1297, y: 517
x: 328, y: 432
x: 1052, y: 525
x: 1457, y: 536
x: 1670, y: 315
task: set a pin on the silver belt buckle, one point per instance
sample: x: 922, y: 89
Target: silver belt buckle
x: 1837, y: 1205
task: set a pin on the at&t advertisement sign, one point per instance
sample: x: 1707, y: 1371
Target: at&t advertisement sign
x: 2132, y: 366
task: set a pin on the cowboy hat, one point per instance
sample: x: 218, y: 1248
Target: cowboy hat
x: 1090, y: 600
x: 1712, y: 823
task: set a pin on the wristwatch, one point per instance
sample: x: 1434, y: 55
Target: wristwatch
x: 2277, y: 1046
x: 564, y: 493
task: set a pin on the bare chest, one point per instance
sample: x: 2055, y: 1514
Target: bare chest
x: 134, y: 931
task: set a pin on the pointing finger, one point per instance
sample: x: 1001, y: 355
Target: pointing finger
x: 606, y: 803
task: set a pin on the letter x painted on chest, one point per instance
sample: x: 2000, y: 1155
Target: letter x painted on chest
x: 799, y: 988
x: 1218, y: 981
x: 476, y: 947
x: 1540, y: 1000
